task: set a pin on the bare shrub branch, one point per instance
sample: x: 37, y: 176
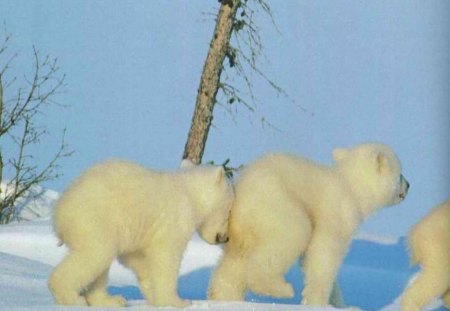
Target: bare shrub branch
x: 17, y: 124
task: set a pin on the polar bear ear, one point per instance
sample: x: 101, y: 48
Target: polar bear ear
x: 382, y: 162
x: 339, y: 154
x: 186, y: 164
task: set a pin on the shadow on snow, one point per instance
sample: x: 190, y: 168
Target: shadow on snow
x: 373, y: 276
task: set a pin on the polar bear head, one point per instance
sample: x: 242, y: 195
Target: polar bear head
x: 214, y: 195
x: 374, y: 174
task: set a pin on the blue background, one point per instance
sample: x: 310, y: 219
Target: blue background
x: 355, y: 71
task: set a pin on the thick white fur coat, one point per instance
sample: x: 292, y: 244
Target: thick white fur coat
x: 287, y: 206
x: 142, y: 217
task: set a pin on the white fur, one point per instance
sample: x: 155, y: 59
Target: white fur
x: 288, y: 206
x: 186, y: 164
x: 430, y: 247
x: 145, y: 219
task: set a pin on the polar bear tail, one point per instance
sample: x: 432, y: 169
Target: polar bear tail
x: 59, y: 236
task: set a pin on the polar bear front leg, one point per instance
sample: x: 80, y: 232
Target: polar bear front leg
x: 430, y: 284
x: 322, y: 261
x: 158, y: 277
x: 229, y: 281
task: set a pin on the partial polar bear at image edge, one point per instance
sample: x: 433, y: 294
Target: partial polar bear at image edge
x: 142, y: 217
x: 429, y: 242
x: 288, y: 207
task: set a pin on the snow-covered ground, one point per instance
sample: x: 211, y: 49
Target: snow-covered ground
x: 373, y: 276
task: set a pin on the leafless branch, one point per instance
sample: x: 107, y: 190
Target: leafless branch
x: 40, y: 89
x: 17, y: 115
x: 244, y: 57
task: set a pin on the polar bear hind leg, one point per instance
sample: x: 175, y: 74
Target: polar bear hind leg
x: 266, y: 269
x: 268, y: 262
x: 77, y: 271
x: 157, y: 271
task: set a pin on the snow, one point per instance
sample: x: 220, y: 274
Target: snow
x: 373, y: 276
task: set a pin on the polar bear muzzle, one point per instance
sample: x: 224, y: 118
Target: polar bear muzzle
x: 214, y: 229
x: 401, y: 190
x: 222, y: 238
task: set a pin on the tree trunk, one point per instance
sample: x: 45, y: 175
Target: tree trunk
x: 1, y: 130
x: 209, y: 82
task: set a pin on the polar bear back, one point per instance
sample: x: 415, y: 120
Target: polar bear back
x: 289, y: 189
x: 284, y: 175
x: 120, y: 201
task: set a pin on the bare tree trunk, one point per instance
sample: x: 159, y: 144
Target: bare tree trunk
x: 1, y: 127
x: 209, y: 82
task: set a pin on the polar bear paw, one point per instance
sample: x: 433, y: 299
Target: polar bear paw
x: 182, y: 303
x: 284, y: 290
x: 106, y: 301
x: 71, y: 300
x: 314, y: 297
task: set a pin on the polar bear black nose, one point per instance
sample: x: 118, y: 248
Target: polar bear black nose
x: 404, y: 184
x: 402, y: 178
x: 221, y: 238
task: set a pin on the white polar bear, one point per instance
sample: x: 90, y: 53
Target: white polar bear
x: 430, y: 247
x: 286, y: 206
x: 145, y: 219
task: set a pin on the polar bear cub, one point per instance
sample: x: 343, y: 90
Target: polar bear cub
x: 287, y: 206
x: 430, y: 247
x: 145, y: 219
